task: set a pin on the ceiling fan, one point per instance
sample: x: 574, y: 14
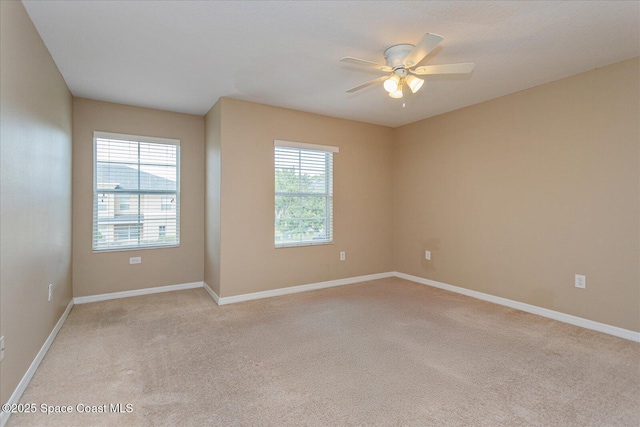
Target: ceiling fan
x: 401, y: 70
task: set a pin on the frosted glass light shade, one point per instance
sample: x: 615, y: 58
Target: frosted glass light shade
x: 391, y: 84
x: 414, y: 83
x: 397, y: 93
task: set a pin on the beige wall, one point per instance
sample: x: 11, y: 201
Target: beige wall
x: 35, y: 193
x: 213, y: 139
x: 98, y: 273
x: 362, y: 199
x: 516, y: 195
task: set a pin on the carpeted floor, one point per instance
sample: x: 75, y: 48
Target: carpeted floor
x: 387, y: 352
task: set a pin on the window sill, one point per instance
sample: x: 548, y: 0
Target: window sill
x: 299, y: 244
x: 137, y: 248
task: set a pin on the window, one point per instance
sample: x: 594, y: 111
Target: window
x: 125, y: 202
x: 303, y: 194
x: 134, y: 178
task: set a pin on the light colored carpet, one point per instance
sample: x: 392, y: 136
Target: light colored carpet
x: 387, y: 352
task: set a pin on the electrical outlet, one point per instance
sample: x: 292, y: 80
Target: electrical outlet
x: 135, y: 260
x: 581, y: 281
x: 343, y: 255
x: 50, y: 291
x: 1, y: 347
x: 427, y: 255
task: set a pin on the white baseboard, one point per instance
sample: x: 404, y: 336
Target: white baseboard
x: 296, y: 289
x: 211, y: 292
x: 137, y: 292
x: 533, y: 309
x: 24, y: 382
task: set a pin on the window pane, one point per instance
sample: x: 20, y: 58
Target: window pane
x: 303, y: 196
x: 136, y: 194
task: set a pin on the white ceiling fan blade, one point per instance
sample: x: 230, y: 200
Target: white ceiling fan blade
x: 444, y: 69
x: 369, y: 83
x: 425, y: 45
x: 357, y: 61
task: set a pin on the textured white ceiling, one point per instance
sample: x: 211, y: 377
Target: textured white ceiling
x: 183, y: 55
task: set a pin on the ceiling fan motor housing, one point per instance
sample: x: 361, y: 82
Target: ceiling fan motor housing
x: 396, y: 54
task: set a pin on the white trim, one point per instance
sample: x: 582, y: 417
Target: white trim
x: 301, y: 288
x: 24, y: 382
x: 540, y: 311
x: 136, y: 292
x: 305, y: 146
x: 304, y: 243
x: 135, y: 138
x: 211, y: 292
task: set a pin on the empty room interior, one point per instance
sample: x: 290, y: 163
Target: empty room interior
x: 320, y: 213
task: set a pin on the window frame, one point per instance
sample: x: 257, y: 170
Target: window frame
x: 328, y: 195
x: 133, y: 193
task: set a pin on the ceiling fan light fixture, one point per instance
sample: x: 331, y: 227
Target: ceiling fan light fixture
x: 414, y: 83
x: 402, y: 67
x: 391, y: 84
x: 397, y: 94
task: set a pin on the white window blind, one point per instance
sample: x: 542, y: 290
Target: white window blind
x: 303, y: 193
x: 136, y: 192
